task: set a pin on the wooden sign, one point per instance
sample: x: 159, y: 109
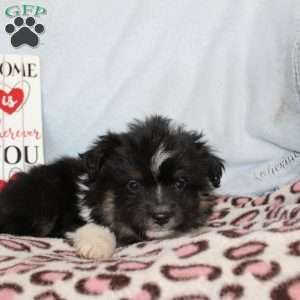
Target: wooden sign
x: 21, y: 134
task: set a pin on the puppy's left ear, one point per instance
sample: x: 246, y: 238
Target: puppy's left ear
x: 91, y: 161
x: 215, y: 169
x: 94, y: 158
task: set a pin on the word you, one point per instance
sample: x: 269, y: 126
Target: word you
x: 13, y: 155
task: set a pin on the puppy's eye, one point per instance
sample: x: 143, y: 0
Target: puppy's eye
x: 133, y: 186
x: 180, y: 184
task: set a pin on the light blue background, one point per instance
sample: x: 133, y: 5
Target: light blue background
x: 228, y: 68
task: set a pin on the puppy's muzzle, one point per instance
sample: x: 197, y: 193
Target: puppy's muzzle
x: 161, y: 215
x: 161, y: 218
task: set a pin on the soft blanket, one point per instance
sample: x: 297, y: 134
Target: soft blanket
x: 249, y: 250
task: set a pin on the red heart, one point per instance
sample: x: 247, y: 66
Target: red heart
x: 10, y: 102
x: 2, y: 184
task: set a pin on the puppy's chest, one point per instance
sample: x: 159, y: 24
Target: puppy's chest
x: 83, y: 190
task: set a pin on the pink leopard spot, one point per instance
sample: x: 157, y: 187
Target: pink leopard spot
x: 19, y: 268
x: 245, y: 218
x: 9, y: 291
x: 96, y: 287
x: 49, y: 298
x: 88, y: 268
x: 7, y: 294
x: 232, y: 292
x: 289, y: 290
x: 294, y: 291
x: 102, y: 283
x: 229, y: 296
x: 291, y: 222
x: 295, y: 212
x: 132, y: 266
x: 54, y: 276
x: 218, y: 214
x: 186, y: 250
x: 294, y: 248
x: 6, y: 258
x: 153, y: 252
x: 13, y: 245
x: 66, y: 253
x: 48, y: 295
x: 240, y: 202
x: 43, y: 258
x: 245, y: 250
x: 191, y: 272
x: 295, y: 188
x: 220, y: 200
x: 191, y: 249
x: 216, y: 224
x: 260, y: 201
x: 259, y: 269
x: 249, y: 225
x: 191, y: 297
x: 129, y: 266
x: 234, y: 233
x: 49, y: 277
x: 33, y: 242
x: 149, y: 291
x: 274, y: 212
x: 142, y: 295
x: 284, y: 229
x: 242, y: 231
x: 214, y: 216
x: 277, y: 201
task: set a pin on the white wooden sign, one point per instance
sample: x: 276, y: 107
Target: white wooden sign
x: 21, y: 134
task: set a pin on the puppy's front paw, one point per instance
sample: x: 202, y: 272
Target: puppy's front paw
x: 94, y: 241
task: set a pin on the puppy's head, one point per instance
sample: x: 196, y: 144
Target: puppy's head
x: 153, y: 180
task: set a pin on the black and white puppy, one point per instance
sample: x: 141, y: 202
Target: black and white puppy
x: 153, y: 181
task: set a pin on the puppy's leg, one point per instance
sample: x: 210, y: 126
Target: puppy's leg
x: 94, y: 241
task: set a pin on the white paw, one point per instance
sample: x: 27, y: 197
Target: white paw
x: 94, y: 241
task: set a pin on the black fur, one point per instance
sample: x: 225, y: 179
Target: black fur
x: 122, y: 189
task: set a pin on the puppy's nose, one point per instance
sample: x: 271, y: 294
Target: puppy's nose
x: 161, y: 218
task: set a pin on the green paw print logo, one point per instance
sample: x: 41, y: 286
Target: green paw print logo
x: 24, y: 28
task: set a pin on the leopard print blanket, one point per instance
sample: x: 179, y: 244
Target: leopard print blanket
x: 249, y: 250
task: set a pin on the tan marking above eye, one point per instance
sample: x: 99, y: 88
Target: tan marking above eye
x: 135, y: 174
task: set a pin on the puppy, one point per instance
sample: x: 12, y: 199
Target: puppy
x: 153, y: 181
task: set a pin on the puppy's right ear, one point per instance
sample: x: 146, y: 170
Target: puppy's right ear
x: 94, y: 158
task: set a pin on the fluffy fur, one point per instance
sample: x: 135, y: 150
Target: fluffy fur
x: 153, y: 181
